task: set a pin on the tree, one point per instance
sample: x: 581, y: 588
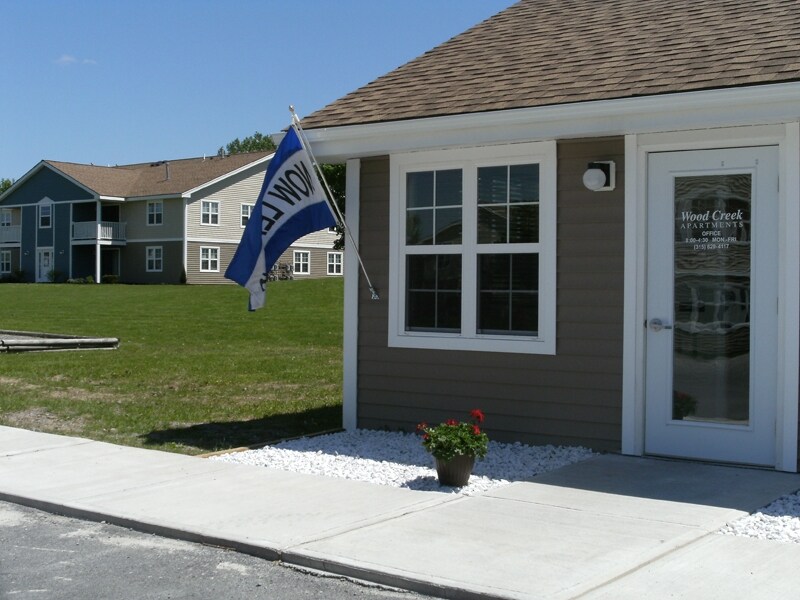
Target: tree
x: 5, y: 184
x: 258, y: 142
x: 336, y: 176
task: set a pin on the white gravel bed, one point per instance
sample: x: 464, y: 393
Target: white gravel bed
x: 399, y: 460
x: 779, y: 521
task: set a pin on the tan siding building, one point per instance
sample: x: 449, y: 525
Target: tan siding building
x: 312, y: 256
x: 162, y: 222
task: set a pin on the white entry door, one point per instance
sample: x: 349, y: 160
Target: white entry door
x: 712, y: 290
x: 44, y: 264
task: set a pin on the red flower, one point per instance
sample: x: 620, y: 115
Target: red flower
x: 477, y: 415
x: 422, y: 426
x: 476, y: 430
x: 426, y: 437
x: 451, y: 422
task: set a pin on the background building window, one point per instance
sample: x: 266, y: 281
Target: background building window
x: 209, y: 212
x: 209, y: 259
x: 155, y: 212
x: 246, y: 209
x: 45, y: 216
x: 302, y: 262
x: 155, y: 259
x: 334, y: 263
x: 5, y: 262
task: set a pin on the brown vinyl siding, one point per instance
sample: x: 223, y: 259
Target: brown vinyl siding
x: 194, y: 275
x: 318, y: 259
x: 573, y: 397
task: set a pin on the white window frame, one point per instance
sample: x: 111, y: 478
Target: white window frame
x: 157, y: 259
x: 469, y: 160
x: 244, y: 218
x: 335, y: 263
x: 49, y: 217
x: 297, y: 259
x: 211, y: 260
x: 209, y: 212
x: 5, y: 262
x: 155, y: 216
x: 6, y: 217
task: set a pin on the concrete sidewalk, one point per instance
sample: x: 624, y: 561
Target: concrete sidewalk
x: 608, y: 528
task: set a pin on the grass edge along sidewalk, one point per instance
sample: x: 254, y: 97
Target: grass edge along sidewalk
x: 195, y: 371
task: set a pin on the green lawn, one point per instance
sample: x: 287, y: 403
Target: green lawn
x: 195, y: 371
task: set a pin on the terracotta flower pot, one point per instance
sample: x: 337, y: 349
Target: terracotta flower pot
x: 455, y: 472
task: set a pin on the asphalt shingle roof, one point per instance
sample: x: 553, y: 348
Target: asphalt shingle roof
x: 546, y: 52
x: 150, y: 179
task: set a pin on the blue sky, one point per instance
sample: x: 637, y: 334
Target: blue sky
x: 115, y: 82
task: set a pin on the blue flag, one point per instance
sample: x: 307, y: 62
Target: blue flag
x: 292, y: 203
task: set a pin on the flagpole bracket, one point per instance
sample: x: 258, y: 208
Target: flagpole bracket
x: 374, y: 294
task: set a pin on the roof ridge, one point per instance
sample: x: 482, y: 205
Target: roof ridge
x: 154, y: 163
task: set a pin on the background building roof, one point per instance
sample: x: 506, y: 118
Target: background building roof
x: 151, y: 179
x: 546, y: 52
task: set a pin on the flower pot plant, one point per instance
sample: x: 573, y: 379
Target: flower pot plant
x: 455, y: 445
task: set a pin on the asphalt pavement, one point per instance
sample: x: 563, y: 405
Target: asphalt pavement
x: 609, y: 527
x: 52, y: 557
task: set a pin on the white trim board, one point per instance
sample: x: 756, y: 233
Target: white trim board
x: 351, y: 266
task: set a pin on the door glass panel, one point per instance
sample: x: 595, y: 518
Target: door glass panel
x: 711, y: 372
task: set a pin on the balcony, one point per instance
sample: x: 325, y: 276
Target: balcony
x: 101, y: 231
x: 10, y: 234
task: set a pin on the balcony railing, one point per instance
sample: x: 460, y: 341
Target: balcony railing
x: 99, y: 230
x: 9, y: 234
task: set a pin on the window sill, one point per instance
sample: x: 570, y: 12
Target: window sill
x: 483, y: 343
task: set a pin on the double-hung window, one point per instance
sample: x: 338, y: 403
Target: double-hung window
x: 302, y: 262
x: 45, y: 216
x: 334, y: 263
x: 155, y: 212
x: 209, y: 212
x: 154, y: 259
x: 245, y: 209
x: 472, y: 239
x: 5, y: 262
x: 209, y: 259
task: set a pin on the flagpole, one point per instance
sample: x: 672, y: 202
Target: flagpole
x: 329, y: 198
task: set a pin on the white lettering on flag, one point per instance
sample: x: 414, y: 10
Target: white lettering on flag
x: 292, y: 203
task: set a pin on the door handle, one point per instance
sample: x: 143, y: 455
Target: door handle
x: 657, y: 325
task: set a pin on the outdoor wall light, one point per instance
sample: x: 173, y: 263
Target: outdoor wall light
x: 599, y: 176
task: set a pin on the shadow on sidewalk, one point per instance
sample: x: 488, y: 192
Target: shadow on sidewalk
x: 739, y: 488
x: 226, y: 435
